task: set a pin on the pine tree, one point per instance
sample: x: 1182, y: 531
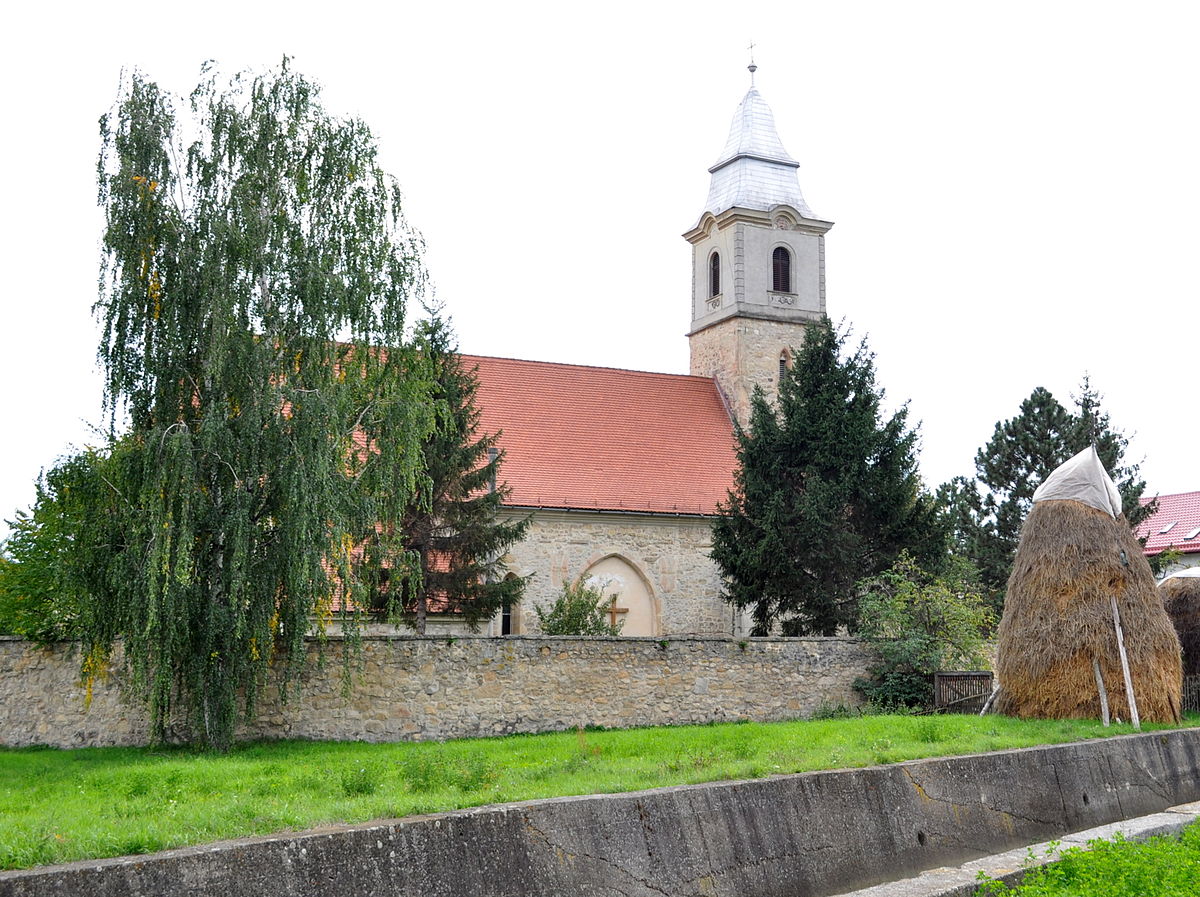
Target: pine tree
x: 252, y: 296
x: 1022, y: 452
x: 451, y: 523
x: 826, y: 493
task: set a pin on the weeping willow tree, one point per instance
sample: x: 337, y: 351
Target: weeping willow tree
x: 256, y: 270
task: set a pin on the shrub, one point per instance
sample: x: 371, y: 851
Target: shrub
x: 359, y: 781
x: 55, y: 559
x: 581, y: 609
x: 919, y: 624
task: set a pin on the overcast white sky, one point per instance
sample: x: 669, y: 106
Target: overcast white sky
x: 1015, y: 186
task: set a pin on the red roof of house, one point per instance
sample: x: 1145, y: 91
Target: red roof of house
x: 1179, y: 516
x: 607, y: 439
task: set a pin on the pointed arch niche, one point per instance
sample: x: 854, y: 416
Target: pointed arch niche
x: 635, y: 604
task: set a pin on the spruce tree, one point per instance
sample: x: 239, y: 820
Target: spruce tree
x: 450, y: 524
x: 1022, y: 452
x: 826, y: 492
x: 252, y: 297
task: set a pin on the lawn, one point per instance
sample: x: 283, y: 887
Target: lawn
x: 1159, y: 867
x: 62, y: 805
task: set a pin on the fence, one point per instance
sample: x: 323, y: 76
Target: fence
x: 961, y: 692
x: 1191, y: 694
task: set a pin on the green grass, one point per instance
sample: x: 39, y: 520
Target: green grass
x: 1159, y: 867
x: 62, y: 805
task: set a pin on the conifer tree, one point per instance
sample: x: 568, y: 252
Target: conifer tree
x: 826, y: 493
x: 252, y: 296
x: 1022, y: 452
x: 450, y: 524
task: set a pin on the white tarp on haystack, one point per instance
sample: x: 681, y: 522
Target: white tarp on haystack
x: 1083, y: 479
x: 1184, y: 573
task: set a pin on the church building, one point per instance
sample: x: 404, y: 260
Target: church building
x: 622, y: 470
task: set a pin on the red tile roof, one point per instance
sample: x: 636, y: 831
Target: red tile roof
x: 1183, y: 510
x: 602, y: 438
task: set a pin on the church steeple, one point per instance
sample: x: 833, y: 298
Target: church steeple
x: 754, y: 170
x: 758, y: 261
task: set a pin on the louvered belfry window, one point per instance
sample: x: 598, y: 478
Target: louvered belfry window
x: 781, y: 270
x: 714, y: 274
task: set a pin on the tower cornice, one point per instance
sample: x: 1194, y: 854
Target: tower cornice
x: 761, y: 313
x: 792, y: 219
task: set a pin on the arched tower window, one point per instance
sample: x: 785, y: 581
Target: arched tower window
x: 781, y: 270
x: 785, y: 362
x: 714, y: 274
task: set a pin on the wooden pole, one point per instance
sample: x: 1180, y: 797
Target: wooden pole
x: 988, y: 703
x: 1103, y: 692
x: 1133, y: 711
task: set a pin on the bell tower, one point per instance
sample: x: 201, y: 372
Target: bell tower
x: 758, y: 261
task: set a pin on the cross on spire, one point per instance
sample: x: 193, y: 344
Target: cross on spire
x: 752, y: 67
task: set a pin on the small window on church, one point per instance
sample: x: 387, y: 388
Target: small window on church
x: 781, y: 270
x: 493, y: 454
x: 509, y: 620
x: 714, y: 274
x: 783, y: 364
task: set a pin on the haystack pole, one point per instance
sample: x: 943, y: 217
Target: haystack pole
x: 1104, y: 717
x: 1133, y: 712
x: 1084, y: 633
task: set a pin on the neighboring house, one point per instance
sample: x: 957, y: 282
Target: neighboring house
x: 623, y: 470
x: 1175, y: 525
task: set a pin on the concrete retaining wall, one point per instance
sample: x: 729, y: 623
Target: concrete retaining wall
x: 794, y: 836
x: 412, y: 688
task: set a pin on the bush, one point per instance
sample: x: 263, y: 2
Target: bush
x: 581, y: 609
x: 919, y: 624
x: 360, y: 781
x: 55, y: 559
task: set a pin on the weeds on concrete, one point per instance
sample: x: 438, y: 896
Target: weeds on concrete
x: 1158, y: 867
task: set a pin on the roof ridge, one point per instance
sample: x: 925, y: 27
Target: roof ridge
x: 1161, y: 495
x: 590, y: 367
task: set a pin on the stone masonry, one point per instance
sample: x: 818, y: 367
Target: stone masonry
x: 742, y: 353
x: 669, y: 552
x: 418, y: 688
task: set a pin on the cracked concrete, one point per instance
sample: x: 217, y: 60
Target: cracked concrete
x: 806, y: 835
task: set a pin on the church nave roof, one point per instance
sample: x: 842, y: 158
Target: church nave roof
x: 606, y: 439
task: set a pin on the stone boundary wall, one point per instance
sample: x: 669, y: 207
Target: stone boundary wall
x: 806, y: 835
x: 418, y: 688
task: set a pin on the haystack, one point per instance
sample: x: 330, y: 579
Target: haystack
x: 1181, y: 597
x: 1076, y: 554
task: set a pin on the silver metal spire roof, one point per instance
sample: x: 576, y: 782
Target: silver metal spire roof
x: 754, y: 171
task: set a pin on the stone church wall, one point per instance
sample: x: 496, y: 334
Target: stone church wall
x: 669, y: 553
x: 743, y: 353
x: 419, y: 688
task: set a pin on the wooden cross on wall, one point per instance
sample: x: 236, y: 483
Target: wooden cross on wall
x: 613, y: 610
